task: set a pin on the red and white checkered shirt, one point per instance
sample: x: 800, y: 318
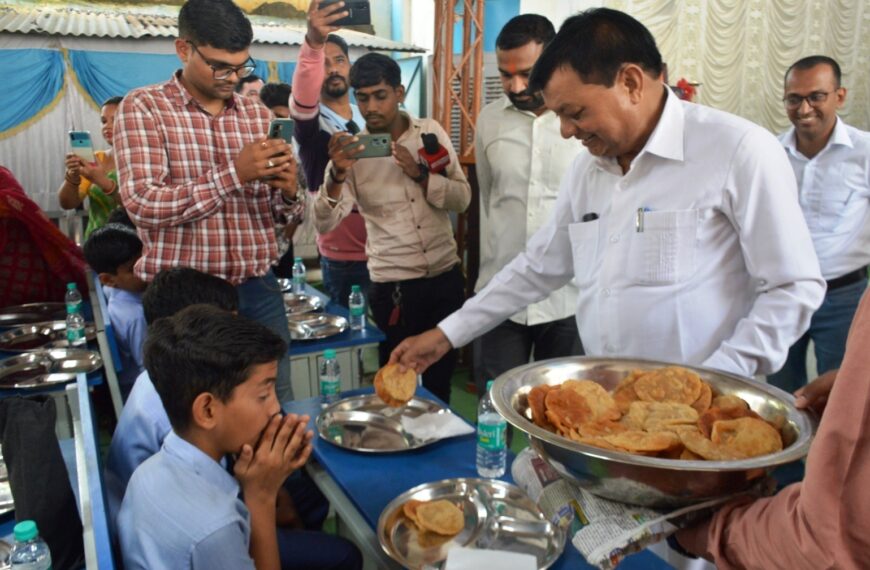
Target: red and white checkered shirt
x: 179, y: 184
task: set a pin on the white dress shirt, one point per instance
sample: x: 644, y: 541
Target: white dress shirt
x: 520, y: 161
x: 834, y: 190
x: 722, y: 275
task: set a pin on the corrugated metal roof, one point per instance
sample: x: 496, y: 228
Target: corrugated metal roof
x: 157, y: 21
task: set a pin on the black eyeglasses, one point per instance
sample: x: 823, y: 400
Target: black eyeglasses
x: 222, y: 71
x: 815, y: 98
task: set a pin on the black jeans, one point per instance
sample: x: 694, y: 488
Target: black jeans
x: 510, y: 345
x: 422, y: 304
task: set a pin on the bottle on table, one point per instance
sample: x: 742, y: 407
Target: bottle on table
x: 298, y: 276
x: 29, y: 552
x: 330, y: 377
x: 75, y: 322
x: 356, y: 305
x: 491, y: 444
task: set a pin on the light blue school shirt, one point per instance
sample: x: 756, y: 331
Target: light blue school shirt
x: 141, y: 429
x: 128, y: 321
x: 182, y: 510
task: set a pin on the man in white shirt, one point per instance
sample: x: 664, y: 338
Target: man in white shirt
x: 831, y: 161
x: 521, y: 158
x: 694, y: 249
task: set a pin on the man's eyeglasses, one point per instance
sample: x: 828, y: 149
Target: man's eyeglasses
x: 815, y: 98
x: 222, y: 71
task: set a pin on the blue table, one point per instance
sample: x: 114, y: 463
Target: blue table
x: 360, y: 485
x: 305, y: 354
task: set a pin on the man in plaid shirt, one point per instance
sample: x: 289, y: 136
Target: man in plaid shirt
x: 199, y: 178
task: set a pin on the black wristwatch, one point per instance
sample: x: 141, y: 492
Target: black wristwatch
x: 424, y: 174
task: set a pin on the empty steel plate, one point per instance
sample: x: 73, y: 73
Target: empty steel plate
x: 31, y: 313
x: 295, y: 303
x: 40, y: 335
x: 311, y: 326
x: 40, y: 368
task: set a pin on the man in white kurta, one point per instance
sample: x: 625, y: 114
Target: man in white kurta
x: 520, y: 160
x: 697, y: 252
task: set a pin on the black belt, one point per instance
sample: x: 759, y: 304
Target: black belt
x: 847, y: 279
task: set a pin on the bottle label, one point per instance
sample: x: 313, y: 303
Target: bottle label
x: 491, y: 436
x: 357, y: 311
x: 74, y: 307
x: 75, y: 335
x: 329, y: 386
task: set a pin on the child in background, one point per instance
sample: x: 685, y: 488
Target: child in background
x: 143, y: 423
x: 111, y: 251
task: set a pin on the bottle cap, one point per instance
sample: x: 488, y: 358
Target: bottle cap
x: 354, y: 289
x: 489, y: 385
x: 25, y: 530
x: 297, y: 260
x: 71, y: 286
x: 329, y: 353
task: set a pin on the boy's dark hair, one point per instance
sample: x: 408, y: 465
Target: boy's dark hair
x: 275, y: 94
x: 249, y: 79
x: 204, y: 349
x: 180, y: 287
x: 372, y: 68
x: 112, y: 101
x: 596, y: 44
x: 814, y: 60
x: 523, y: 29
x: 339, y: 41
x: 111, y: 246
x: 121, y: 217
x: 216, y: 23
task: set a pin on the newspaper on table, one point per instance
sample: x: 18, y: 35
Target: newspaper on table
x: 603, y: 531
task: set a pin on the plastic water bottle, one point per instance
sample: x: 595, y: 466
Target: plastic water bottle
x: 330, y: 377
x: 356, y: 303
x: 491, y: 445
x: 75, y: 322
x: 298, y: 276
x: 29, y: 552
x: 73, y: 299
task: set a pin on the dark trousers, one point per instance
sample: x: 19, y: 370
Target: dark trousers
x: 339, y: 276
x: 422, y: 304
x: 511, y: 344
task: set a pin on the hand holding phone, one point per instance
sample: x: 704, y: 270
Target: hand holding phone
x: 376, y: 145
x: 359, y: 12
x: 82, y: 146
x: 282, y: 129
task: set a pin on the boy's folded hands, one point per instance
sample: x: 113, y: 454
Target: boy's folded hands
x: 284, y: 446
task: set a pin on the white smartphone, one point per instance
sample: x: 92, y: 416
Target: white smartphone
x: 82, y: 146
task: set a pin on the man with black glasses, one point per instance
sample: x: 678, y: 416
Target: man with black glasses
x: 199, y: 178
x: 831, y: 161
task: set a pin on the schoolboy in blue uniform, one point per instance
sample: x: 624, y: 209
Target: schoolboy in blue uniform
x: 111, y: 251
x: 181, y: 509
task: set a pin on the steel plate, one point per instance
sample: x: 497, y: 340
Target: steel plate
x: 295, y: 303
x: 48, y: 366
x: 40, y: 335
x: 31, y: 313
x: 365, y: 423
x: 498, y: 516
x: 312, y: 326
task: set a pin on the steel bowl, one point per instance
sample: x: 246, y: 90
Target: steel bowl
x: 649, y: 481
x: 37, y: 336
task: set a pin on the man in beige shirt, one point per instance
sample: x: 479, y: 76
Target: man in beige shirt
x: 412, y: 258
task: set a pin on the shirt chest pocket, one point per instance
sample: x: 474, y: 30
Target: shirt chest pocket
x: 665, y: 251
x: 584, y: 248
x: 834, y: 204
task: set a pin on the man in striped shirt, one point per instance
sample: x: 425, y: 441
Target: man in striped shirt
x: 199, y: 178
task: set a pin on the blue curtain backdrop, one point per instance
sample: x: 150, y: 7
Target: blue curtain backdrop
x: 262, y: 70
x: 109, y: 74
x: 285, y: 71
x: 33, y: 79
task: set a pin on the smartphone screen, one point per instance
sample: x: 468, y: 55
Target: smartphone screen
x: 81, y: 144
x: 376, y: 145
x: 282, y: 129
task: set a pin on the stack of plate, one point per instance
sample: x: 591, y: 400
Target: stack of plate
x: 31, y: 313
x: 40, y: 368
x: 51, y: 334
